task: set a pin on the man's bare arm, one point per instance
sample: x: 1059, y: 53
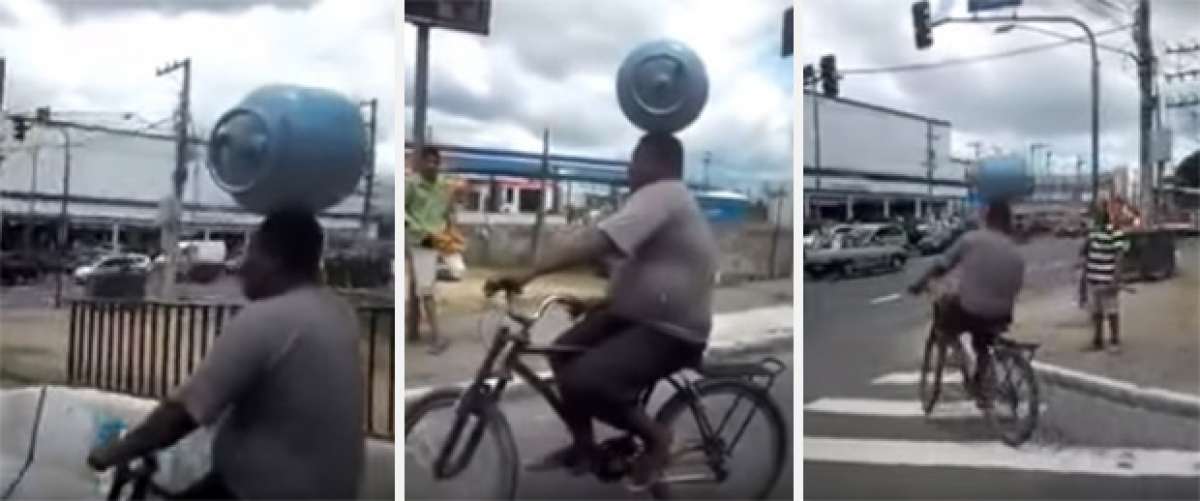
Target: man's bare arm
x: 588, y: 248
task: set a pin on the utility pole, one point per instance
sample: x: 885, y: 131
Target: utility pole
x: 1146, y: 63
x: 3, y: 65
x: 172, y: 225
x: 929, y: 157
x: 1079, y: 179
x: 707, y: 161
x: 540, y: 218
x: 373, y: 104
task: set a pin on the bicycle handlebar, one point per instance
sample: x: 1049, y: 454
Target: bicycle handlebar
x: 530, y: 319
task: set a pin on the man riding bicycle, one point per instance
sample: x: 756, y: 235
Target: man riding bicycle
x: 991, y: 275
x: 282, y: 384
x: 654, y: 320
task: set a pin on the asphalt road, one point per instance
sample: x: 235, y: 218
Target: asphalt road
x: 537, y: 432
x: 864, y: 436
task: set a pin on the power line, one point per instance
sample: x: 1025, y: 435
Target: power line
x: 976, y: 59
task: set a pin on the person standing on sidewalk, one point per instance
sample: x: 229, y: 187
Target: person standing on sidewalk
x: 428, y: 213
x: 1102, y: 253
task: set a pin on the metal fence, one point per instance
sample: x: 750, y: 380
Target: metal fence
x: 146, y: 348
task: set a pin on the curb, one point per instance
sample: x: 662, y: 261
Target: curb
x: 1120, y: 392
x: 774, y: 339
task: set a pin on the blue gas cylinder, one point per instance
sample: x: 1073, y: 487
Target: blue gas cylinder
x: 289, y: 147
x: 1003, y: 178
x: 662, y: 86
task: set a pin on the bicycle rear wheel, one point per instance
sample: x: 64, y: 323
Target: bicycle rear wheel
x: 491, y: 469
x: 1016, y: 401
x: 932, y: 365
x: 743, y: 456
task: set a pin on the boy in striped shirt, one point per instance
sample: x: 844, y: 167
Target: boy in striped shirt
x: 1103, y: 251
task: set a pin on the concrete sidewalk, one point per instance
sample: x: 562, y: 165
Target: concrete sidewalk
x: 750, y: 316
x: 1158, y: 366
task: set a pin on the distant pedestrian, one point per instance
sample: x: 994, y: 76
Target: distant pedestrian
x: 1102, y: 253
x: 428, y: 212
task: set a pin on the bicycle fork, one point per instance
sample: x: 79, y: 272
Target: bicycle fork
x: 474, y: 401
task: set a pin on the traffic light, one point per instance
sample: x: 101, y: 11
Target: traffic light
x: 20, y: 127
x: 829, y: 75
x: 810, y: 75
x: 921, y: 28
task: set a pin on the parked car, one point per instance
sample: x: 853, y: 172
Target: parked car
x: 937, y: 242
x: 866, y: 251
x: 112, y: 263
x: 18, y: 267
x: 885, y: 233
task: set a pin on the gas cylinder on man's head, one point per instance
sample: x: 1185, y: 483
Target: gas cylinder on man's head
x: 1002, y: 179
x: 662, y: 86
x: 289, y: 147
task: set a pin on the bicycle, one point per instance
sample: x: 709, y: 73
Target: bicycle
x: 1010, y: 359
x: 479, y: 403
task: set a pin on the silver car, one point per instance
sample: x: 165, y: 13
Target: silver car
x: 864, y: 251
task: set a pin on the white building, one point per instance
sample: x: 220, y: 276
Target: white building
x: 868, y: 162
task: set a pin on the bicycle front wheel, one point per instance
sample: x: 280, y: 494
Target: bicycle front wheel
x: 1016, y: 399
x: 932, y: 365
x: 742, y: 453
x: 485, y: 452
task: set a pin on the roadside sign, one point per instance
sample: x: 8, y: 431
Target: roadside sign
x: 974, y: 6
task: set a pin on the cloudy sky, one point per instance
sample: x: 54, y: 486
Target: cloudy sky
x: 87, y: 56
x: 553, y: 64
x: 1009, y: 102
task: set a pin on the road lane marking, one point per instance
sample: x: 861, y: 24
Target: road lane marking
x: 886, y: 299
x: 1121, y: 462
x: 914, y: 377
x: 954, y: 409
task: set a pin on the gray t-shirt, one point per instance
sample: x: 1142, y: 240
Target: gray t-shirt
x: 668, y: 273
x: 284, y: 381
x: 990, y: 272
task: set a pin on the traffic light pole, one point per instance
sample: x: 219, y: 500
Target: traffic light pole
x: 1095, y: 80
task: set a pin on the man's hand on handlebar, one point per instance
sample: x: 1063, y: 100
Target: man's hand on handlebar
x: 100, y: 457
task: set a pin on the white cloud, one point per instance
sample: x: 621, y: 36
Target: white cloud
x: 106, y: 60
x: 553, y: 64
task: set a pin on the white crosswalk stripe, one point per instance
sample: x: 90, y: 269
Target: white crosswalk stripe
x: 959, y: 409
x: 921, y: 441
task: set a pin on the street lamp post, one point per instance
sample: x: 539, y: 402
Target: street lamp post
x: 1095, y: 79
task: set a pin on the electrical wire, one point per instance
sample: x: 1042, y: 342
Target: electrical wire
x: 975, y: 59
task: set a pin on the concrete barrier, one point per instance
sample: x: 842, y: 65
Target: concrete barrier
x: 745, y: 248
x: 58, y: 424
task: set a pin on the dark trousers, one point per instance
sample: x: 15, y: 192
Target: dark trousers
x: 209, y: 487
x: 952, y: 320
x: 622, y: 359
